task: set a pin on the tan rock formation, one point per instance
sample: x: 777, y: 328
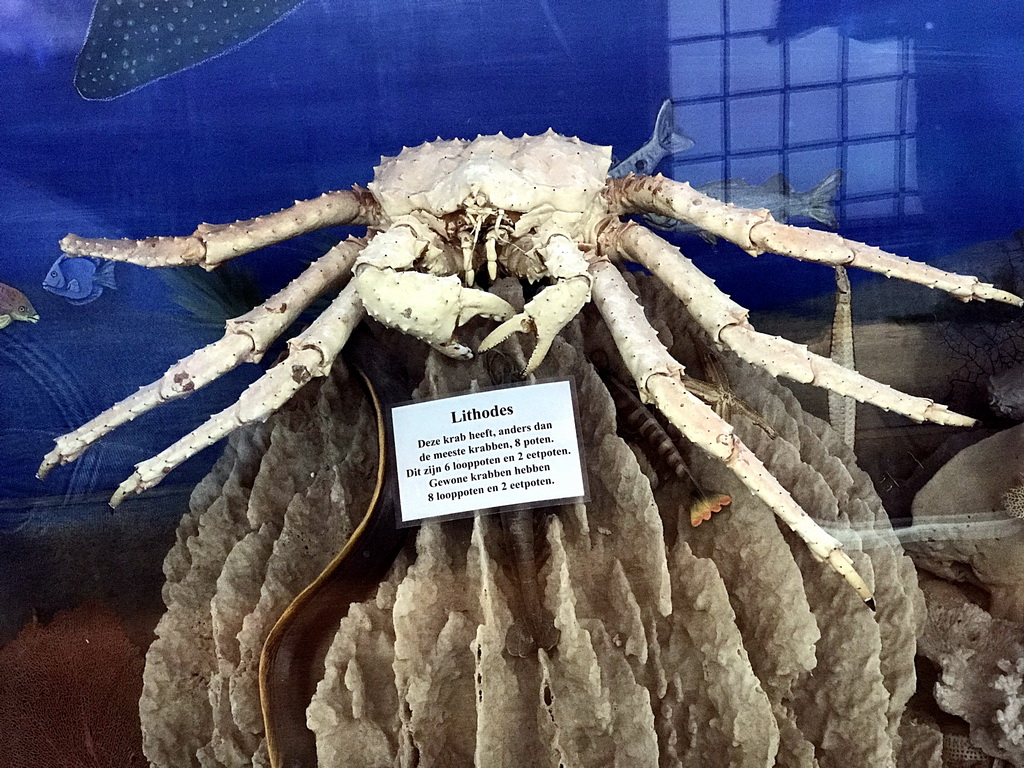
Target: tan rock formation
x: 983, y: 544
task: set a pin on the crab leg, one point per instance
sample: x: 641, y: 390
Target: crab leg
x: 212, y: 244
x: 245, y: 341
x: 755, y: 231
x: 659, y: 380
x: 310, y: 354
x: 726, y: 322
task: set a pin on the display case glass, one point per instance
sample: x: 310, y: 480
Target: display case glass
x: 672, y: 605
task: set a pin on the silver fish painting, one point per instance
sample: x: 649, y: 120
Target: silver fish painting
x: 775, y: 194
x: 14, y: 305
x: 664, y: 141
x: 81, y: 279
x: 131, y: 44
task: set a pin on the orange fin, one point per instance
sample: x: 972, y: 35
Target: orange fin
x: 704, y: 506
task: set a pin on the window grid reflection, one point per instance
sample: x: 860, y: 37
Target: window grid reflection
x: 806, y: 106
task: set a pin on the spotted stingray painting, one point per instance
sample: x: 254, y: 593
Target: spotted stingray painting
x: 131, y: 43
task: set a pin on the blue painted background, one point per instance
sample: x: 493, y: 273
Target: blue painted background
x: 308, y: 106
x: 313, y: 102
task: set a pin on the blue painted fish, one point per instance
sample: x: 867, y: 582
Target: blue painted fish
x: 775, y: 194
x: 131, y: 44
x: 79, y: 279
x: 664, y: 141
x: 14, y: 305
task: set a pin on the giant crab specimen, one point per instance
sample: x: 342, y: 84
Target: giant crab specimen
x: 540, y: 208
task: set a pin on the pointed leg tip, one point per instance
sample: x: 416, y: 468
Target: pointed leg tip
x: 132, y: 485
x: 50, y: 460
x: 940, y: 414
x: 870, y: 603
x: 539, y: 353
x: 985, y: 291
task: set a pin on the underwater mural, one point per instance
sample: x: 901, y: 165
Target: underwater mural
x: 131, y: 44
x: 79, y: 280
x: 14, y: 305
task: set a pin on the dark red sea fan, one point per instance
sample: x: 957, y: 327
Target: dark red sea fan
x: 69, y: 694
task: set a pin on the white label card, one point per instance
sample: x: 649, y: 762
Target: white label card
x: 505, y: 447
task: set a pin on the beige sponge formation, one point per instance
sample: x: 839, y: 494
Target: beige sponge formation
x: 722, y: 645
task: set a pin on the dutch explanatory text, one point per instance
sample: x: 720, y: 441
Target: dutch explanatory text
x: 486, y: 450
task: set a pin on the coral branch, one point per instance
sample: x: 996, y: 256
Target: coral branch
x: 212, y: 244
x: 69, y: 693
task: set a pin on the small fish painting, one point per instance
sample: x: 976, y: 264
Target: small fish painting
x: 80, y: 279
x: 664, y: 141
x: 131, y: 44
x: 14, y: 305
x: 780, y: 198
x: 775, y: 194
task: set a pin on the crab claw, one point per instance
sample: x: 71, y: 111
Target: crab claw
x: 426, y: 306
x: 545, y: 316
